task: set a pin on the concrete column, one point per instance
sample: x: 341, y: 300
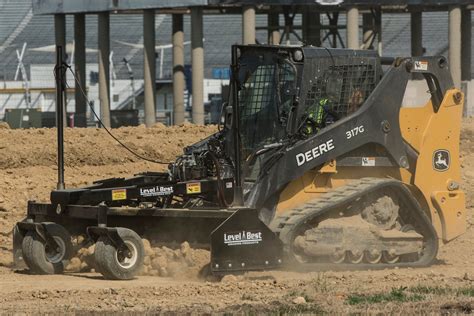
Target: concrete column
x: 197, y: 60
x: 178, y: 69
x: 104, y: 68
x: 353, y: 28
x: 80, y: 68
x: 149, y: 67
x: 248, y: 25
x: 455, y: 44
x: 273, y: 27
x: 311, y: 26
x: 416, y: 33
x: 466, y: 39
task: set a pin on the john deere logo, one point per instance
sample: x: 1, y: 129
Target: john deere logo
x: 441, y: 160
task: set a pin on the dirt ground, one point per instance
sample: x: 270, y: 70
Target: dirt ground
x: 27, y: 172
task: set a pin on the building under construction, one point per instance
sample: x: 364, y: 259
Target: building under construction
x: 166, y: 59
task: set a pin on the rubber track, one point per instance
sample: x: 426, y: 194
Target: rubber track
x: 287, y: 225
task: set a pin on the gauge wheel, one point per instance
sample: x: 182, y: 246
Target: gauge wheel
x: 120, y: 263
x: 42, y: 258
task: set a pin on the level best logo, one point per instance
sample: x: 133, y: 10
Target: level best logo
x: 242, y: 238
x: 441, y: 160
x: 156, y: 191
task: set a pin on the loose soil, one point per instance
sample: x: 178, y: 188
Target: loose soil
x: 170, y: 281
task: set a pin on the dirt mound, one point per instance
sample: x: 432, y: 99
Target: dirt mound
x: 93, y: 147
x: 4, y: 125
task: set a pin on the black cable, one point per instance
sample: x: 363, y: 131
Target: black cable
x: 332, y: 57
x: 102, y: 124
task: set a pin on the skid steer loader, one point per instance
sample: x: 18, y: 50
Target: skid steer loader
x: 316, y: 164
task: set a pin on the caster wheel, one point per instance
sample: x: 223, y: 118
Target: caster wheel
x: 120, y: 264
x: 42, y: 258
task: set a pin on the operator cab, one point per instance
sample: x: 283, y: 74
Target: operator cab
x: 288, y: 93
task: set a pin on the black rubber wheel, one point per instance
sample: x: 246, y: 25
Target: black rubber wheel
x: 112, y: 262
x: 38, y: 256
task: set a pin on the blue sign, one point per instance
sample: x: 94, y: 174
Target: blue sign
x: 221, y: 73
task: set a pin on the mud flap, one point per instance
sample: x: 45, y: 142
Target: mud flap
x: 243, y: 243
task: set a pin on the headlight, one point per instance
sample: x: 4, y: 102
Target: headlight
x: 298, y: 55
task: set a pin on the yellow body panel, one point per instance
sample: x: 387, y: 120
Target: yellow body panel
x: 426, y: 131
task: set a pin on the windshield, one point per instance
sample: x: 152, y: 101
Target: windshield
x: 264, y: 102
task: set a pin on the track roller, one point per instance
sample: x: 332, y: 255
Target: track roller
x: 338, y: 256
x: 355, y: 256
x: 373, y: 256
x: 390, y: 257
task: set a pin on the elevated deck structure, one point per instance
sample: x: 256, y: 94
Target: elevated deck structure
x: 354, y: 24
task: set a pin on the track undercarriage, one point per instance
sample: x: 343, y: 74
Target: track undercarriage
x: 369, y: 223
x: 353, y: 239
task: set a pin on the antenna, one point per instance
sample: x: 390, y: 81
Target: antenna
x: 59, y: 74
